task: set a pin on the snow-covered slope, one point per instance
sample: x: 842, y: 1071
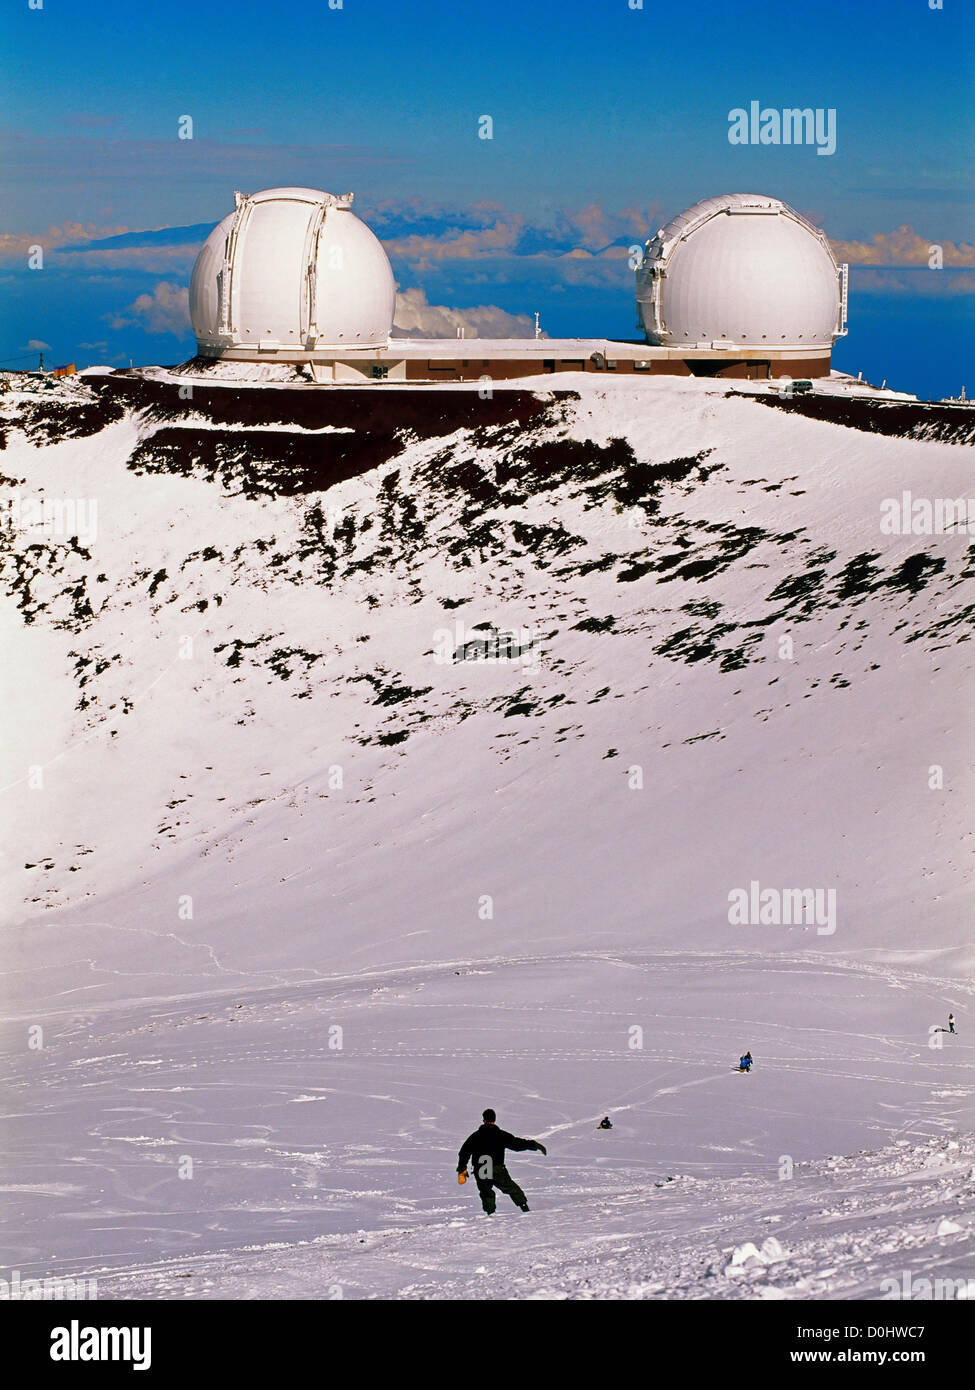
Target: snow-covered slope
x: 890, y: 1225
x: 256, y: 783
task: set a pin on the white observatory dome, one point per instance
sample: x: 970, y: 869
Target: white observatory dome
x: 290, y: 272
x: 741, y: 270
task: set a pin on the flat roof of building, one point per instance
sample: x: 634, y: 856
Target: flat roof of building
x: 533, y: 349
x: 567, y: 349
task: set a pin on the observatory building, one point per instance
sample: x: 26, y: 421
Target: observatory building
x: 739, y: 286
x: 291, y: 275
x: 741, y: 273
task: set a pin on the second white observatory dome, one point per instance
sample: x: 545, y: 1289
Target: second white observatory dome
x: 741, y: 270
x: 289, y: 273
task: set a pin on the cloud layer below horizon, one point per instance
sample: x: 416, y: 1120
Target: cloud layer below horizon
x: 587, y: 244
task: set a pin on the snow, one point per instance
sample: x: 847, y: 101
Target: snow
x: 229, y: 864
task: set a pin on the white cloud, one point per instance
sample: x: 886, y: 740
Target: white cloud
x: 35, y: 345
x: 166, y: 310
x: 415, y: 318
x: 904, y: 246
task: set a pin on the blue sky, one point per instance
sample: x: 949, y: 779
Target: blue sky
x: 607, y: 120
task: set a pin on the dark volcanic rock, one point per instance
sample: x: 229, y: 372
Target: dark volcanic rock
x: 954, y: 424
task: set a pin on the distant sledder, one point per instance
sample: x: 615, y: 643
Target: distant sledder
x: 485, y: 1147
x: 745, y: 1062
x: 605, y: 1123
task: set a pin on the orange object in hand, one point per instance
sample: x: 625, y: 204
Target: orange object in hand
x: 461, y: 1177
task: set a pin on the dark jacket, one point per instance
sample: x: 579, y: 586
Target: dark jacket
x: 489, y: 1142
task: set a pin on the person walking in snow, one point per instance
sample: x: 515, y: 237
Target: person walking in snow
x: 485, y: 1148
x: 951, y: 1023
